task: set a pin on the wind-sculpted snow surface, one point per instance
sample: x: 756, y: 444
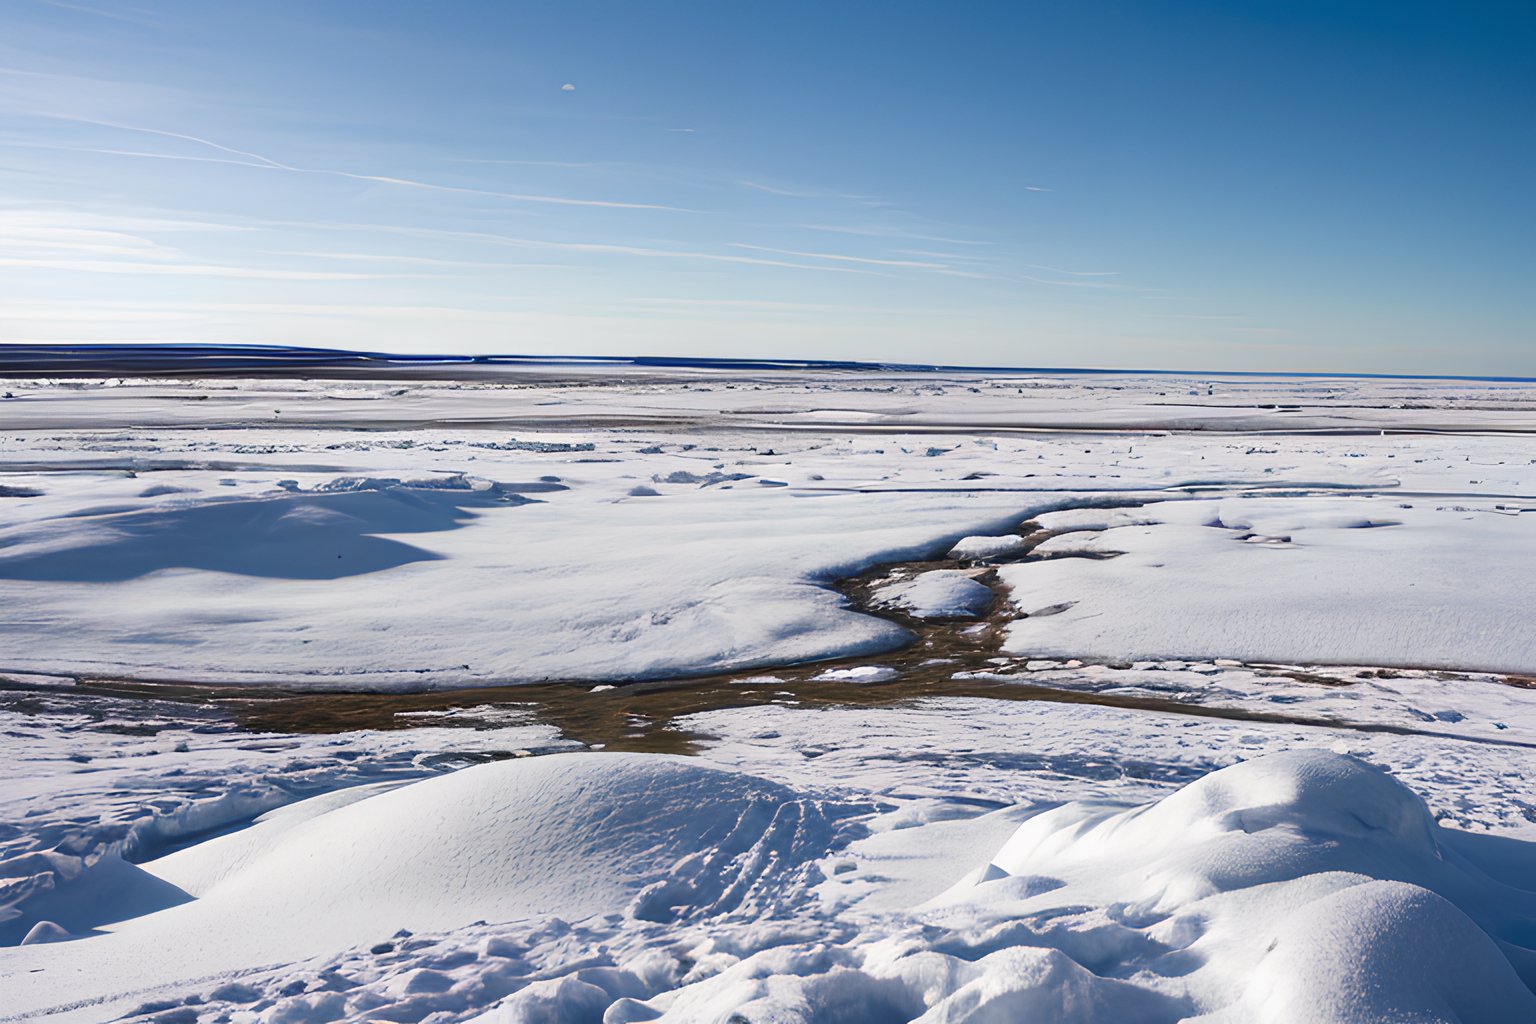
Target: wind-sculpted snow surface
x: 1299, y: 886
x: 1304, y: 885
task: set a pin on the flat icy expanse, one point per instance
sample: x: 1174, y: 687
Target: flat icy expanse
x: 1277, y: 760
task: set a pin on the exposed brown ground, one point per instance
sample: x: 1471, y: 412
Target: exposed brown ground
x: 646, y: 716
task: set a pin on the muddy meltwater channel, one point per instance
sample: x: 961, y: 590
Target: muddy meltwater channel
x: 946, y: 657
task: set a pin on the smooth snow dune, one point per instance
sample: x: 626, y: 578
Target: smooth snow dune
x: 652, y: 837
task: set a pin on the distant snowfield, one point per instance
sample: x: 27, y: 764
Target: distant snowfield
x: 1350, y: 840
x: 411, y: 551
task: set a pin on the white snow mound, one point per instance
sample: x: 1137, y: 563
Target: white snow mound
x: 660, y: 839
x: 1301, y: 886
x: 1298, y: 886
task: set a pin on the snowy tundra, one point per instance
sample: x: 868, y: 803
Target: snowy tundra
x: 1153, y: 699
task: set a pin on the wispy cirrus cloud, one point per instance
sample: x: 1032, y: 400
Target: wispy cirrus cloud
x: 650, y: 252
x: 961, y: 257
x: 91, y: 266
x: 1072, y: 273
x: 420, y: 261
x: 132, y: 15
x: 879, y: 232
x: 842, y: 258
x: 777, y: 306
x: 65, y: 239
x: 1192, y: 316
x: 927, y: 266
x: 248, y: 158
x: 1091, y: 283
x: 803, y: 192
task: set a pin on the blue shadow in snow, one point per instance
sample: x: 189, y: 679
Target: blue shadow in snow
x: 324, y: 534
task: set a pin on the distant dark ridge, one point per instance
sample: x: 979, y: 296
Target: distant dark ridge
x: 113, y: 360
x: 294, y: 361
x: 283, y: 360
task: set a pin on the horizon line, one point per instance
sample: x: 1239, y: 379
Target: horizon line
x: 54, y: 359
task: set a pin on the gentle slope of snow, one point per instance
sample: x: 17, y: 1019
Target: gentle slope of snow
x: 1355, y: 581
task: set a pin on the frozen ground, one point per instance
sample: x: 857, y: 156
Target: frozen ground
x: 367, y: 535
x: 1276, y: 764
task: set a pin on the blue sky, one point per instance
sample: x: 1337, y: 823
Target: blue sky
x: 1234, y: 185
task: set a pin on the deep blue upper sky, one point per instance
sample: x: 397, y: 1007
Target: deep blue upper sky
x: 1221, y: 185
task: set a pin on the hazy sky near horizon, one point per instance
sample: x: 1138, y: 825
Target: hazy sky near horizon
x: 1220, y: 185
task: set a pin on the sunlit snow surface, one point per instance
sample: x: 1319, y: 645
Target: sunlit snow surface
x: 1341, y: 568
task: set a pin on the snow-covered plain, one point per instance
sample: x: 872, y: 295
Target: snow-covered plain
x: 1259, y: 744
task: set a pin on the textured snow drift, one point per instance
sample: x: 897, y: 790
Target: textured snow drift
x: 1309, y: 886
x: 1297, y: 886
x: 1303, y: 886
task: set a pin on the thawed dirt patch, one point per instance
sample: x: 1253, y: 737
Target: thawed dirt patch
x: 947, y: 657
